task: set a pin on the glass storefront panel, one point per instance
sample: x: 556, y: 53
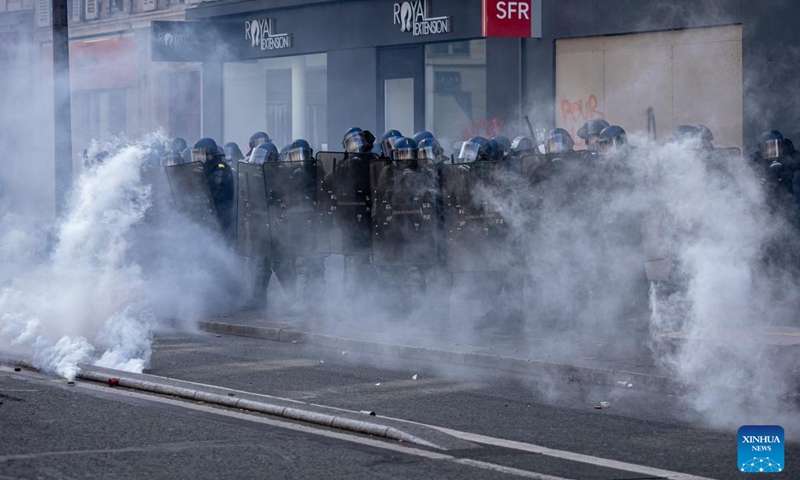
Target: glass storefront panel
x: 285, y: 97
x: 455, y: 90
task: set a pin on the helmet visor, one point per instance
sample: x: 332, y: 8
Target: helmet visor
x: 258, y: 156
x: 429, y: 152
x: 610, y: 145
x: 296, y: 155
x: 354, y: 143
x: 201, y: 155
x: 558, y: 143
x: 405, y: 154
x: 257, y: 141
x: 469, y: 152
x: 387, y: 146
x: 772, y: 149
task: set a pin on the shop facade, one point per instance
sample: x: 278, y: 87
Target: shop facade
x: 312, y: 69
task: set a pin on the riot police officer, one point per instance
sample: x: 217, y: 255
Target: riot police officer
x: 429, y: 150
x: 257, y: 139
x: 220, y: 181
x: 476, y: 149
x: 232, y: 154
x: 500, y: 146
x: 177, y: 145
x: 522, y: 146
x: 590, y: 132
x: 387, y: 142
x: 264, y: 267
x: 612, y: 139
x: 558, y: 140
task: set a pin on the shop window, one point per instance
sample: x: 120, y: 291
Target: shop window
x: 455, y: 91
x: 285, y: 97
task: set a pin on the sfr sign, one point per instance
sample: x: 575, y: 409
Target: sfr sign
x: 512, y: 18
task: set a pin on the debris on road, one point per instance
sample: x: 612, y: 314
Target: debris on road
x: 113, y: 382
x: 377, y: 384
x: 414, y: 377
x: 322, y: 361
x: 231, y: 394
x: 368, y: 412
x: 602, y: 405
x: 344, y: 352
x: 622, y: 383
x: 70, y: 383
x: 17, y: 369
x: 294, y: 341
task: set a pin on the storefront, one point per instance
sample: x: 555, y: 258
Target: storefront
x: 312, y: 71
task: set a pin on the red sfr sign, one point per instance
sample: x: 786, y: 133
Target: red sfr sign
x: 512, y: 18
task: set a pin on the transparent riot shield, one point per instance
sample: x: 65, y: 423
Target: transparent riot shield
x: 404, y: 223
x: 292, y: 198
x: 346, y: 196
x: 477, y: 233
x: 191, y: 193
x: 253, y: 221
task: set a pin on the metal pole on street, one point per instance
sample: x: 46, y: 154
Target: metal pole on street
x: 61, y: 105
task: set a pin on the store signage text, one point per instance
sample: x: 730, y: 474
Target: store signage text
x: 261, y: 34
x: 510, y: 18
x: 412, y: 16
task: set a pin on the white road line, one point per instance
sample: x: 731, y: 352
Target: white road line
x: 325, y: 433
x: 565, y: 455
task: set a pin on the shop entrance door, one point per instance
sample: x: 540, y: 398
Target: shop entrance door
x: 401, y: 89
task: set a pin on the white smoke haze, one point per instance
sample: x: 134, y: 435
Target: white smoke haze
x: 121, y: 267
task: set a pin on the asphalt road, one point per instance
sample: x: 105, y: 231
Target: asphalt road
x: 51, y: 430
x: 640, y: 427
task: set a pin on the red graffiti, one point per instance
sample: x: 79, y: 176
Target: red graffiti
x: 486, y: 128
x: 580, y: 110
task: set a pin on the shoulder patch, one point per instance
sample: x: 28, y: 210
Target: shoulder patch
x: 221, y: 165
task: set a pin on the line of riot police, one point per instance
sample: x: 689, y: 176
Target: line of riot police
x: 410, y: 223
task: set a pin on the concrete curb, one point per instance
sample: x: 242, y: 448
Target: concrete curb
x: 571, y: 373
x: 291, y: 413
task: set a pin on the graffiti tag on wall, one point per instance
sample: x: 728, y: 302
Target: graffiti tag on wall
x: 485, y: 128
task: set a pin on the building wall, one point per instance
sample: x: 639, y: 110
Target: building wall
x: 649, y: 83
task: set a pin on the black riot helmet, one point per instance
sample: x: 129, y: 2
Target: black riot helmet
x: 266, y: 152
x: 522, y: 145
x: 404, y: 149
x: 297, y: 151
x: 429, y: 149
x: 590, y: 132
x: 387, y: 142
x: 503, y: 144
x: 177, y: 144
x: 420, y: 136
x: 771, y: 144
x: 476, y: 149
x: 205, y: 150
x: 558, y: 141
x: 356, y: 141
x: 232, y: 152
x: 258, y: 138
x: 612, y: 139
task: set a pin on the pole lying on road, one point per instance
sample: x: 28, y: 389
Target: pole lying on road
x: 61, y: 105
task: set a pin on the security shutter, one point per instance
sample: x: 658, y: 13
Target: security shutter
x: 148, y: 5
x: 91, y: 9
x: 43, y: 13
x: 75, y: 14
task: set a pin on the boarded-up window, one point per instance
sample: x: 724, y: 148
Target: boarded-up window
x: 653, y: 82
x: 148, y: 5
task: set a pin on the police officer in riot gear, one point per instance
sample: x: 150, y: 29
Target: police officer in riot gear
x: 356, y: 140
x: 558, y: 140
x: 257, y: 139
x: 429, y: 150
x: 387, y: 142
x: 220, y: 181
x: 706, y: 137
x: 285, y: 269
x: 476, y: 149
x: 501, y: 146
x: 420, y: 136
x: 177, y: 145
x: 522, y: 146
x: 232, y: 154
x: 688, y: 135
x: 590, y: 132
x: 612, y: 139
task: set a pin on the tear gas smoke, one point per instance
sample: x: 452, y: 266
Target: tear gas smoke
x: 121, y: 266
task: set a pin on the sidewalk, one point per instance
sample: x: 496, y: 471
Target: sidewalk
x: 590, y: 360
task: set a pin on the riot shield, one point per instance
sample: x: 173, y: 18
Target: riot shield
x: 477, y: 233
x: 293, y: 208
x: 191, y: 193
x: 253, y: 222
x: 404, y: 223
x: 346, y: 198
